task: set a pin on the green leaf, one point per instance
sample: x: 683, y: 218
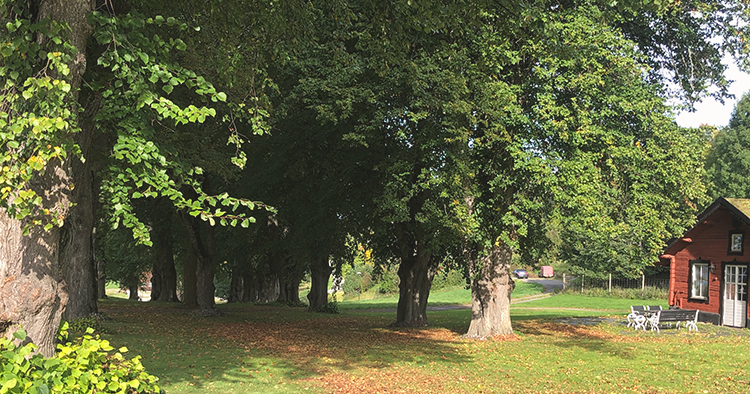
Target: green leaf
x: 20, y: 334
x: 180, y: 45
x: 9, y: 385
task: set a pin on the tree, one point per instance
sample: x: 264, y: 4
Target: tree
x: 129, y: 78
x: 33, y: 293
x: 482, y: 121
x: 126, y: 260
x: 579, y: 137
x: 728, y: 161
x: 164, y: 274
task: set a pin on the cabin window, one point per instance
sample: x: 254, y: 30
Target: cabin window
x: 735, y: 243
x: 699, y: 280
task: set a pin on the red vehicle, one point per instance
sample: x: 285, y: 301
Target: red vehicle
x: 547, y: 272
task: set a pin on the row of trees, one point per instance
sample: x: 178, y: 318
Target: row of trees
x: 434, y: 134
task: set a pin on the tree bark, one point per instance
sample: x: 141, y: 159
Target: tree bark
x: 320, y: 273
x: 269, y: 288
x: 101, y: 279
x: 292, y: 291
x: 277, y: 265
x: 205, y: 272
x: 201, y: 244
x: 235, y: 287
x: 189, y: 284
x: 33, y: 293
x: 77, y: 235
x: 490, y: 293
x: 133, y: 285
x: 249, y: 288
x: 416, y: 276
x: 164, y: 274
x: 415, y: 272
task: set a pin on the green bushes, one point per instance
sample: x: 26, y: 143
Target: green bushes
x: 329, y: 307
x: 447, y: 279
x: 83, y: 366
x: 93, y: 321
x: 358, y: 276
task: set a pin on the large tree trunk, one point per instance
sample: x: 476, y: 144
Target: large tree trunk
x: 201, y: 244
x: 416, y: 276
x: 189, y: 284
x: 76, y: 241
x: 320, y: 273
x: 133, y: 285
x: 235, y: 287
x: 101, y: 279
x: 249, y: 288
x: 288, y: 280
x: 32, y: 293
x: 291, y: 288
x: 490, y: 292
x: 164, y: 274
x: 269, y: 288
x: 32, y: 288
x: 205, y: 273
x: 415, y: 272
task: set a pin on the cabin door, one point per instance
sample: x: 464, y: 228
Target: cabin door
x: 735, y: 295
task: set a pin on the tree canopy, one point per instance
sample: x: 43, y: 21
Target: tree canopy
x: 433, y: 133
x: 728, y: 160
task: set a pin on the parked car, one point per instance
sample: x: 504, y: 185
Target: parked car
x: 521, y: 274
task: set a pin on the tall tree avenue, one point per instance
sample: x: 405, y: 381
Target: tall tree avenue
x: 270, y: 141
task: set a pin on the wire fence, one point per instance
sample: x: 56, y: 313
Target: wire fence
x: 622, y: 283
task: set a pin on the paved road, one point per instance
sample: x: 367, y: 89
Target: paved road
x: 550, y: 285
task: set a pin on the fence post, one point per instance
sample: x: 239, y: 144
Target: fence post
x: 563, y: 281
x: 610, y: 282
x: 582, y: 278
x: 643, y: 282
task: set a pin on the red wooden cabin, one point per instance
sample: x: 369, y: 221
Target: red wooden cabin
x: 709, y: 264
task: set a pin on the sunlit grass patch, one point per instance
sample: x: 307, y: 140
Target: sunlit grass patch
x: 259, y: 349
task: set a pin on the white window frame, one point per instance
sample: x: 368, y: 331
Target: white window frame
x: 699, y: 272
x: 736, y: 247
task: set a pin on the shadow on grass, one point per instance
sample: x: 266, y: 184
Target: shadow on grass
x: 265, y: 346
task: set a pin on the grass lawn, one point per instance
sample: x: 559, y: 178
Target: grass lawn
x: 272, y: 349
x: 450, y: 296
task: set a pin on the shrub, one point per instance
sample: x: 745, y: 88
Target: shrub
x: 295, y: 304
x: 93, y: 321
x: 84, y: 366
x: 329, y: 307
x: 389, y: 282
x: 446, y: 279
x: 352, y: 281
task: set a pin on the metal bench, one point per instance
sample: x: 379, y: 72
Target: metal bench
x: 687, y: 316
x: 636, y: 317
